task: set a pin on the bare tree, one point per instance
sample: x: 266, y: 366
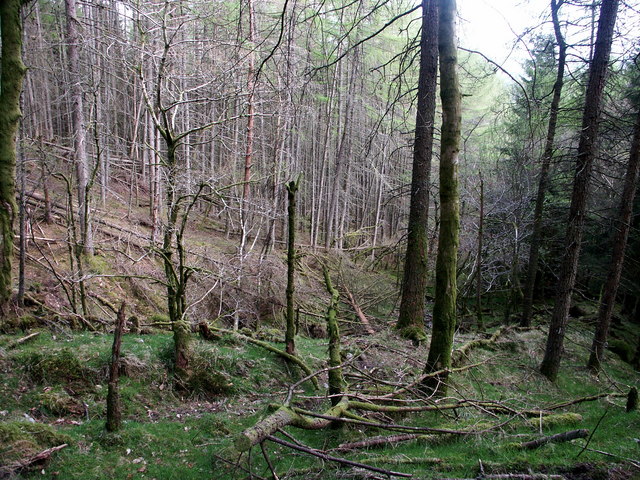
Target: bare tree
x: 79, y: 126
x: 536, y: 235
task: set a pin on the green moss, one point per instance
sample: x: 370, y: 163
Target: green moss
x: 19, y: 439
x: 414, y: 333
x: 57, y: 401
x: 556, y: 420
x: 210, y: 382
x: 622, y: 349
x: 54, y: 367
x: 160, y: 318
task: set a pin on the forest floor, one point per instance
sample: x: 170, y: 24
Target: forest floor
x: 54, y: 387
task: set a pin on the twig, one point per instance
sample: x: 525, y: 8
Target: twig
x: 331, y: 458
x: 634, y: 463
x: 594, y: 431
x: 268, y: 460
x: 32, y: 460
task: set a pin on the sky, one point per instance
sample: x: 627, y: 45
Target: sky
x: 492, y: 27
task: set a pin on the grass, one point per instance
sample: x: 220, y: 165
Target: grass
x: 60, y: 381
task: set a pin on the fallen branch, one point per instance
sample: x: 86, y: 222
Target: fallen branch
x: 634, y: 463
x: 331, y: 458
x: 22, y: 340
x: 514, y: 476
x: 460, y: 354
x: 29, y: 462
x: 358, y: 311
x: 282, y: 417
x: 557, y: 438
x: 380, y: 440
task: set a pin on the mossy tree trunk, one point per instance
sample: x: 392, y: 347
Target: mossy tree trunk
x: 290, y: 333
x: 414, y: 283
x: 584, y: 165
x: 543, y: 180
x: 617, y: 256
x: 336, y: 381
x: 13, y: 71
x: 176, y: 272
x: 444, y: 311
x: 114, y: 412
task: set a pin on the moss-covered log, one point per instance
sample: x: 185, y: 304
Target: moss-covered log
x: 286, y: 416
x: 460, y: 354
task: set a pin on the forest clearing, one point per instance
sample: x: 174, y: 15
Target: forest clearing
x: 321, y: 240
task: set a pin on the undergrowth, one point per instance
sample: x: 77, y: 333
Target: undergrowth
x: 54, y: 392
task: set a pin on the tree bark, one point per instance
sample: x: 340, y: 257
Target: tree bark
x: 11, y: 77
x: 290, y: 334
x: 479, y: 258
x: 584, y: 165
x: 444, y: 311
x: 78, y: 126
x: 412, y: 304
x: 336, y: 381
x: 617, y: 256
x: 114, y: 413
x: 543, y: 180
x: 248, y: 155
x: 557, y: 438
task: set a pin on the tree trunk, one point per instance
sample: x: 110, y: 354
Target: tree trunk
x: 292, y: 188
x: 617, y: 256
x: 114, y: 413
x: 534, y: 252
x: 444, y: 311
x: 78, y: 126
x: 248, y: 156
x: 584, y: 164
x: 11, y: 76
x: 412, y: 304
x: 336, y: 381
x: 479, y: 258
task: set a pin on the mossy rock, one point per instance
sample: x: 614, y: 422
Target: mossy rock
x: 55, y: 367
x: 57, y: 401
x: 556, y: 420
x: 20, y: 439
x: 204, y: 381
x: 622, y: 349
